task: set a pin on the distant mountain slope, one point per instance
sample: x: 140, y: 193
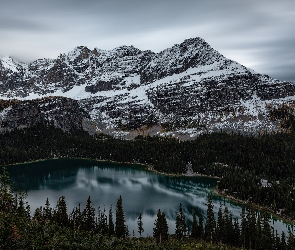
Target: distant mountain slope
x: 184, y: 90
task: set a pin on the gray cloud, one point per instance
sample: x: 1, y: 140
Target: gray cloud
x: 258, y: 34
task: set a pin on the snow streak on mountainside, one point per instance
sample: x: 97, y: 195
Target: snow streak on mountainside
x: 184, y: 90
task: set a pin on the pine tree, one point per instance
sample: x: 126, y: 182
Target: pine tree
x: 89, y: 215
x: 266, y: 239
x: 254, y: 229
x: 38, y: 216
x: 180, y: 229
x: 243, y: 227
x: 291, y: 241
x: 76, y: 217
x: 22, y: 208
x: 220, y: 229
x: 6, y: 192
x: 120, y: 219
x: 228, y: 227
x: 60, y: 214
x: 201, y: 227
x: 283, y: 245
x: 210, y: 221
x: 111, y: 223
x: 47, y: 210
x: 102, y: 226
x: 277, y: 241
x: 194, y: 233
x: 160, y: 232
x: 140, y: 225
x: 237, y: 234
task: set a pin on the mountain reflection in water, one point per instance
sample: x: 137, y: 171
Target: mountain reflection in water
x: 142, y: 191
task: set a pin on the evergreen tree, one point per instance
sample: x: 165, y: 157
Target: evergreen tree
x: 102, y: 226
x: 291, y: 241
x: 60, y: 214
x: 277, y: 241
x: 220, y: 227
x: 180, y: 229
x: 89, y: 215
x: 244, y: 230
x: 283, y: 242
x: 194, y: 233
x: 38, y: 216
x: 228, y: 227
x: 237, y: 235
x: 254, y: 229
x: 111, y: 223
x: 201, y: 227
x: 120, y: 219
x: 266, y: 239
x: 160, y: 232
x: 140, y: 225
x: 6, y: 192
x: 23, y: 209
x: 76, y: 217
x: 210, y: 221
x: 47, y: 210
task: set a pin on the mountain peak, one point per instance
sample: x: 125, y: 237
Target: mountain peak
x: 10, y: 64
x: 125, y: 50
x: 185, y: 88
x: 80, y: 52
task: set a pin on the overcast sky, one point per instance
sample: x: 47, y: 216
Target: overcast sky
x: 259, y: 34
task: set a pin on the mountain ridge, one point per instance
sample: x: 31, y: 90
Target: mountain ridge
x: 184, y: 90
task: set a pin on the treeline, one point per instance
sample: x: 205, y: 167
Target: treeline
x: 90, y: 228
x: 242, y: 162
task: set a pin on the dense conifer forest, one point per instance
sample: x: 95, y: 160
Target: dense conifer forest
x: 258, y: 170
x: 242, y: 162
x: 90, y: 228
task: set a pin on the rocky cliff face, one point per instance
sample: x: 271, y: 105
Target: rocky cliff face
x: 60, y: 112
x: 184, y: 90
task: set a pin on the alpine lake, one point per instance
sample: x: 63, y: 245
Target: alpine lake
x: 142, y: 191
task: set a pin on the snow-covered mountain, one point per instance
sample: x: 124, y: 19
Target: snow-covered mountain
x: 184, y: 90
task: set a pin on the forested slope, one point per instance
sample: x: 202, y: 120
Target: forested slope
x: 240, y: 161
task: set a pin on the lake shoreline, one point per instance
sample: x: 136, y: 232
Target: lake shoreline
x: 262, y: 208
x: 150, y: 168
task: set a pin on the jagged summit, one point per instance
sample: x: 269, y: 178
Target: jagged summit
x: 186, y: 89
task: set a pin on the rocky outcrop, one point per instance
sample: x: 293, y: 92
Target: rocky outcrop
x: 185, y: 90
x: 60, y: 112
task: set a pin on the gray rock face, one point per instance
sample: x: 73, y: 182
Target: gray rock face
x: 60, y: 112
x: 187, y: 89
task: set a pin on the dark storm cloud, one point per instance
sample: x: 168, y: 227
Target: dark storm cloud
x: 258, y: 34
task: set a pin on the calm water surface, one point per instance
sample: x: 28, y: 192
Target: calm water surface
x: 142, y: 191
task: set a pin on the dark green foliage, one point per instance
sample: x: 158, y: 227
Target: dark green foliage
x: 89, y: 216
x: 220, y: 226
x: 160, y: 231
x: 60, y: 214
x: 111, y: 223
x: 140, y: 225
x: 194, y: 231
x: 76, y: 218
x: 283, y: 245
x: 210, y: 221
x: 291, y: 241
x: 47, y: 211
x: 52, y: 229
x: 102, y: 224
x: 242, y: 161
x: 180, y: 227
x: 7, y: 201
x: 201, y: 226
x: 120, y: 220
